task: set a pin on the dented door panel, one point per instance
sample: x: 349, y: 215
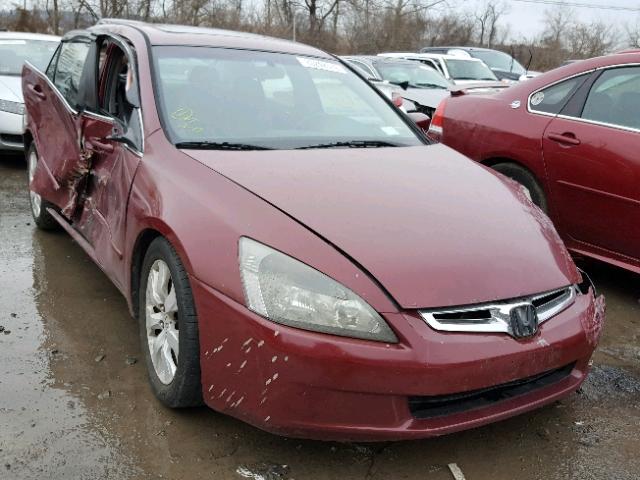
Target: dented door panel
x: 107, y: 189
x: 55, y: 126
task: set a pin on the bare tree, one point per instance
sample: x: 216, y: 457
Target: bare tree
x: 487, y: 18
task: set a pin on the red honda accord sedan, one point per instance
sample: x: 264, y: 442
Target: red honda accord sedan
x: 296, y: 252
x: 570, y: 136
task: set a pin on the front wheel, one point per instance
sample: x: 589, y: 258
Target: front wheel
x: 526, y: 179
x: 169, y: 327
x: 39, y: 206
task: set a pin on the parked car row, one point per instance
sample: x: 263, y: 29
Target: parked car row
x: 296, y: 251
x: 426, y: 76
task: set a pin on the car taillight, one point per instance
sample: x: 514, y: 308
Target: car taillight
x: 396, y: 99
x: 435, y: 129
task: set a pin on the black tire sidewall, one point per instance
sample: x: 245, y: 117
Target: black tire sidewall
x: 185, y: 388
x: 526, y: 179
x: 44, y: 221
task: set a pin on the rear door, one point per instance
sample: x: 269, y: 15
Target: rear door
x: 52, y: 103
x: 591, y: 153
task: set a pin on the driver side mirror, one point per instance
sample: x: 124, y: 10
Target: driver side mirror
x: 421, y: 120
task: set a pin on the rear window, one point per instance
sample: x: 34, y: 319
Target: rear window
x: 552, y: 99
x: 469, y: 70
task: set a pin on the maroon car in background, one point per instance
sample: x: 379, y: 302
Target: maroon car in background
x: 571, y: 138
x: 297, y: 253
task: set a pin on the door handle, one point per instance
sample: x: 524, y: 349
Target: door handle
x: 37, y: 91
x: 566, y: 138
x: 97, y: 146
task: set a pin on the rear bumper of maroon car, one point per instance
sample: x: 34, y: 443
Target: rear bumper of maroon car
x: 304, y: 384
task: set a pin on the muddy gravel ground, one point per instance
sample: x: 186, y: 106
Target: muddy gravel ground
x: 75, y: 403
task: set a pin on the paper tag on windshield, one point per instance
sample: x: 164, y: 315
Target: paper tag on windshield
x: 321, y: 65
x: 12, y: 42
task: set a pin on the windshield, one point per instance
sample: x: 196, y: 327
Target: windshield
x: 469, y: 70
x: 248, y: 98
x: 500, y: 61
x: 14, y: 52
x: 417, y: 76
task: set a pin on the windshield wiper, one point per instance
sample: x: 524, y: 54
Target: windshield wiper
x: 220, y: 146
x: 430, y: 85
x: 352, y: 144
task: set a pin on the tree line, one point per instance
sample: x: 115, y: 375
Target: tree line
x: 349, y: 26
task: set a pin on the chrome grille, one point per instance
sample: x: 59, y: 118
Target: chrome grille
x: 495, y: 317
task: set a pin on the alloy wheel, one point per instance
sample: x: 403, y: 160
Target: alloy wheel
x: 162, y: 321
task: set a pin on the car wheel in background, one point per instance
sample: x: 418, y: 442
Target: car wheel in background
x: 169, y: 327
x: 525, y: 178
x: 41, y: 216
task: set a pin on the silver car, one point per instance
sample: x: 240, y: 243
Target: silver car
x: 15, y: 48
x: 421, y: 86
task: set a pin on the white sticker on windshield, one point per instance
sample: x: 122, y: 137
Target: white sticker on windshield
x: 12, y: 42
x: 321, y: 65
x: 390, y: 130
x: 537, y: 99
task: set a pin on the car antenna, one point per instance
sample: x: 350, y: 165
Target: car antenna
x: 512, y: 51
x: 529, y: 62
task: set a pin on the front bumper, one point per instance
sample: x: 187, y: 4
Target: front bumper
x: 11, y: 132
x: 304, y: 384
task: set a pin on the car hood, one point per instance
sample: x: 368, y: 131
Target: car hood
x: 433, y: 227
x: 11, y: 88
x: 429, y: 97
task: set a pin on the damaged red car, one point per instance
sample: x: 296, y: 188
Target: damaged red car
x: 569, y: 136
x: 297, y: 253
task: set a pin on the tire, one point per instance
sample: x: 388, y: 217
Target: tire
x: 182, y: 388
x: 526, y: 179
x: 38, y: 205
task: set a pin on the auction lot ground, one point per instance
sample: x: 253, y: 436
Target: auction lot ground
x: 73, y: 405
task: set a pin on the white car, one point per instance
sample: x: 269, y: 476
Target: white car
x: 15, y: 48
x: 457, y: 69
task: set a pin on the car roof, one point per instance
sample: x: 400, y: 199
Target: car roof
x: 181, y: 35
x: 466, y: 49
x: 28, y: 36
x: 434, y: 56
x: 571, y: 70
x: 373, y: 59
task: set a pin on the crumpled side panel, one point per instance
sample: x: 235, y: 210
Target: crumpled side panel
x: 72, y: 181
x: 594, y: 320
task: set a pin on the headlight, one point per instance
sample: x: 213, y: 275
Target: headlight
x: 287, y: 291
x: 12, y: 107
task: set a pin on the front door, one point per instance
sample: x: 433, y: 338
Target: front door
x: 112, y: 138
x: 594, y: 166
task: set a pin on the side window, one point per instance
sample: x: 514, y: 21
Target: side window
x: 615, y: 98
x: 117, y: 78
x: 69, y: 68
x: 119, y: 81
x: 51, y: 68
x: 552, y: 99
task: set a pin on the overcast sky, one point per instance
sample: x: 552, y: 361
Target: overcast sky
x: 525, y: 19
